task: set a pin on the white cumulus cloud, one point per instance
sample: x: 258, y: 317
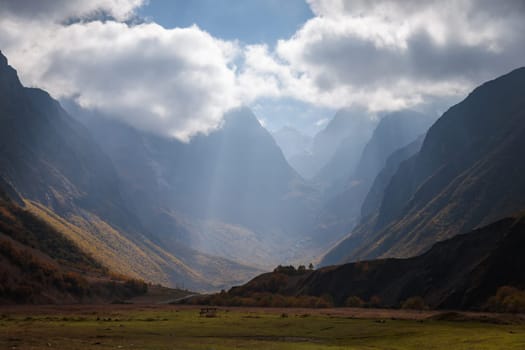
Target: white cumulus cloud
x: 376, y: 54
x: 176, y: 82
x: 391, y: 54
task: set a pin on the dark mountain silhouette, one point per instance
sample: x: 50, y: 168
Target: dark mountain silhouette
x: 468, y: 173
x: 459, y: 273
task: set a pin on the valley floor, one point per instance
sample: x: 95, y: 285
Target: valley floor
x: 178, y: 327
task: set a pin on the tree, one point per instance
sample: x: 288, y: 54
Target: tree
x: 311, y: 266
x: 354, y: 301
x: 414, y: 303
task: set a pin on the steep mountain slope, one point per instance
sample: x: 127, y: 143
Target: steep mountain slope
x: 394, y: 131
x: 359, y: 162
x: 467, y: 173
x: 347, y: 185
x: 374, y: 197
x: 459, y: 273
x: 346, y: 207
x: 49, y: 157
x: 40, y: 265
x: 51, y: 161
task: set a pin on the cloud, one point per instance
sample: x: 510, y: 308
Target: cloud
x: 391, y: 55
x: 176, y: 82
x: 380, y: 55
x: 61, y: 10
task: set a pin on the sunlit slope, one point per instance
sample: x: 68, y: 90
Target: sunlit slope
x: 39, y: 264
x: 140, y: 257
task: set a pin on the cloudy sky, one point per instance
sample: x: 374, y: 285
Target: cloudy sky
x: 174, y: 67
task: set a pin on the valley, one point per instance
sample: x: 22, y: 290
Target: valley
x: 303, y: 174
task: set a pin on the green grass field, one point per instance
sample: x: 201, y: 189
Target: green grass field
x: 172, y: 328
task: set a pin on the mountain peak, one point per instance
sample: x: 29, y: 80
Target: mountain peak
x: 8, y: 76
x: 3, y: 59
x: 241, y: 118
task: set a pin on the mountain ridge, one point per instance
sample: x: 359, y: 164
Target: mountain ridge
x: 465, y: 175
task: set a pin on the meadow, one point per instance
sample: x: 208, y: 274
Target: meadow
x: 176, y: 327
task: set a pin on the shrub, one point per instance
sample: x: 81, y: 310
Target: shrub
x: 375, y: 301
x: 354, y: 301
x: 507, y: 299
x: 414, y: 303
x: 136, y: 287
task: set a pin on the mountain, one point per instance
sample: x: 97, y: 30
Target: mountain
x: 292, y: 142
x: 374, y: 197
x: 229, y: 193
x: 460, y: 273
x: 349, y: 177
x: 40, y: 265
x: 60, y: 174
x: 359, y: 160
x: 394, y: 131
x: 467, y: 174
x: 347, y: 132
x: 49, y: 157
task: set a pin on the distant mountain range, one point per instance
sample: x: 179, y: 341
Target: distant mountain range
x: 293, y: 143
x: 230, y: 192
x: 346, y: 133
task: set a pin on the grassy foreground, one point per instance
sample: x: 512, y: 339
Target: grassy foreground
x: 175, y: 328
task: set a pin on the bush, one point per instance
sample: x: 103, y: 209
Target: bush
x: 375, y: 301
x: 136, y: 287
x: 354, y: 301
x: 290, y: 270
x: 414, y: 303
x: 507, y: 299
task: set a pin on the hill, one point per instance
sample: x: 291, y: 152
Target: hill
x: 460, y: 273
